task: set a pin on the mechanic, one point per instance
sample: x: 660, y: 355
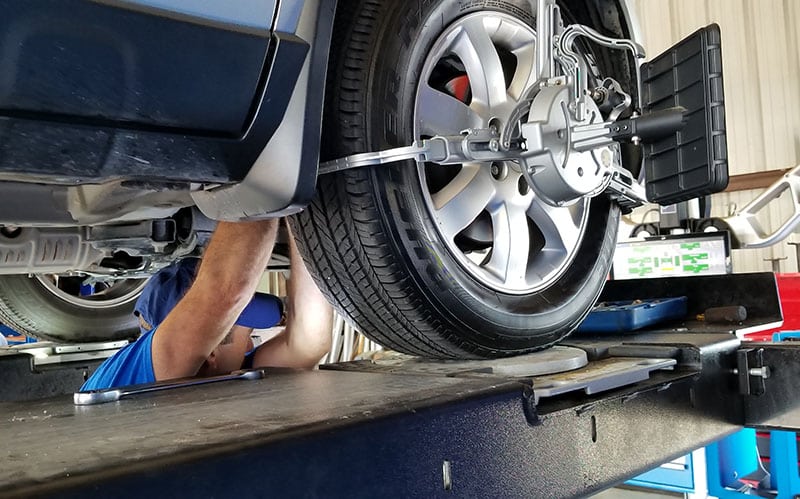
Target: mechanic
x: 201, y: 325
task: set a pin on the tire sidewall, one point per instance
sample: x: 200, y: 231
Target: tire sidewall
x: 43, y: 315
x: 408, y: 33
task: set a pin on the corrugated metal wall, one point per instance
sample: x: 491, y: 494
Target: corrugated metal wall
x: 761, y: 57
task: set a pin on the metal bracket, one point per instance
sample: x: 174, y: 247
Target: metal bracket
x: 751, y: 371
x: 600, y: 376
x: 424, y: 150
x: 570, y: 58
x: 47, y: 353
x: 483, y: 145
x: 471, y: 146
x: 625, y: 190
x: 746, y: 228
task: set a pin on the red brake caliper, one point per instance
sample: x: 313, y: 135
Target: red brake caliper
x: 459, y: 88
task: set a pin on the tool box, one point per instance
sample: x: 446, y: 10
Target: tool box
x: 620, y: 316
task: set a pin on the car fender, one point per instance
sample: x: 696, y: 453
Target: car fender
x: 283, y: 178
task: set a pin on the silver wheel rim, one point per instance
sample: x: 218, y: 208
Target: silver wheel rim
x: 118, y: 292
x: 531, y: 243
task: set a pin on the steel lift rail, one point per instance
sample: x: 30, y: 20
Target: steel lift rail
x: 411, y: 427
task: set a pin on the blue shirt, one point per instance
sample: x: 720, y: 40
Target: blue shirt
x: 132, y: 365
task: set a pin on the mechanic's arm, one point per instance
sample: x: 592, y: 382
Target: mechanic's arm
x: 229, y: 273
x: 309, y: 321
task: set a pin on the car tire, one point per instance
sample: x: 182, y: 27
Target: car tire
x: 372, y: 237
x: 31, y: 306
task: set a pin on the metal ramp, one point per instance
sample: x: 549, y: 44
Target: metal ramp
x: 411, y: 428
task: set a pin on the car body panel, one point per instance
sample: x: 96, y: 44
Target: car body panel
x: 283, y: 178
x: 255, y: 16
x: 113, y: 117
x: 112, y: 65
x: 236, y: 131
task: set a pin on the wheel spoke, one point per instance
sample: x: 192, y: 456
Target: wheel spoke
x: 521, y: 43
x: 482, y: 63
x: 460, y: 202
x: 512, y: 242
x: 441, y: 114
x: 561, y: 227
x: 524, y: 75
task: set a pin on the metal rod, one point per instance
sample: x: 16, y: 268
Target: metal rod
x: 544, y: 38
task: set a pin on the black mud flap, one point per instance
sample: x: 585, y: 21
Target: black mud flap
x: 694, y: 161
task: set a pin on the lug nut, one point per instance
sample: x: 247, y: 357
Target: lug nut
x: 498, y: 170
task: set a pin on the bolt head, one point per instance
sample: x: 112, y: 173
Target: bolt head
x: 494, y: 145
